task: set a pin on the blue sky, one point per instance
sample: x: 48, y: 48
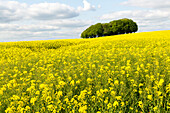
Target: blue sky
x: 22, y: 20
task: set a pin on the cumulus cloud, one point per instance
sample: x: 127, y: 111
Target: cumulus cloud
x: 87, y: 7
x: 137, y: 14
x: 39, y: 35
x: 42, y: 30
x: 69, y: 23
x: 49, y: 11
x: 15, y: 11
x: 146, y: 19
x: 29, y: 28
x: 155, y: 16
x: 21, y: 21
x: 11, y: 11
x: 162, y: 4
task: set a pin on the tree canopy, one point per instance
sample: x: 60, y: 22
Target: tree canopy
x: 114, y: 27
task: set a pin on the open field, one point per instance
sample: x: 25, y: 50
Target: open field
x: 125, y: 73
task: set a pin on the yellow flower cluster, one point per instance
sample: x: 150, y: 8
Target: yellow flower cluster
x: 125, y: 73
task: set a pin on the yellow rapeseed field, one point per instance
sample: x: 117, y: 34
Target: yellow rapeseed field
x: 121, y: 74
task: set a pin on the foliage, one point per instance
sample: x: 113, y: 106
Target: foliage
x: 125, y: 73
x: 93, y: 31
x: 107, y: 29
x: 115, y: 27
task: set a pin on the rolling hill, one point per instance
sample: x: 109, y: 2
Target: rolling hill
x: 121, y: 73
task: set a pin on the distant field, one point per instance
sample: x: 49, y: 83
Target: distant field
x: 121, y: 74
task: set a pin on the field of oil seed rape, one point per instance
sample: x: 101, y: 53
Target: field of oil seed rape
x: 121, y: 74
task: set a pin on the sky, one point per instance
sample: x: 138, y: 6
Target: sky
x: 25, y: 20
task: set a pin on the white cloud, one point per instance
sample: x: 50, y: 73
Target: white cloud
x: 21, y: 21
x: 87, y: 6
x: 16, y: 11
x: 137, y: 14
x: 69, y: 23
x: 42, y: 30
x: 50, y: 11
x: 154, y: 16
x: 29, y: 28
x: 11, y: 11
x: 146, y: 19
x: 41, y: 35
x: 161, y: 4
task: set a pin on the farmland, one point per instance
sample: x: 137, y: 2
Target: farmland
x: 123, y: 73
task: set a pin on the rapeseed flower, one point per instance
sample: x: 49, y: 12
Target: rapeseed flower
x: 161, y: 82
x: 140, y: 104
x: 115, y: 104
x: 149, y: 97
x: 116, y: 82
x: 107, y: 74
x: 83, y: 109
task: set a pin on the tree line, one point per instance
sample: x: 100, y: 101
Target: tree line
x: 115, y: 27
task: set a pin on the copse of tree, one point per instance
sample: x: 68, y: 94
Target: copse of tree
x: 107, y: 29
x: 115, y: 27
x: 93, y: 31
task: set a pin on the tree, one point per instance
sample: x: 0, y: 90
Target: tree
x: 98, y: 29
x: 107, y: 29
x: 129, y: 26
x: 114, y: 27
x: 93, y: 31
